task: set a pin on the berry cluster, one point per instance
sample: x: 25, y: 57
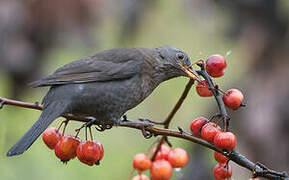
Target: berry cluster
x: 203, y: 128
x: 226, y: 141
x: 67, y: 147
x: 161, y: 167
x: 215, y: 66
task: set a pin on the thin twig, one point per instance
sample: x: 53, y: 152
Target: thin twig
x: 177, y: 106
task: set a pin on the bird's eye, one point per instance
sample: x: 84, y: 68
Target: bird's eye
x: 180, y: 56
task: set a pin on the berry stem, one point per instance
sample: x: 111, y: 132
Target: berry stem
x: 91, y: 137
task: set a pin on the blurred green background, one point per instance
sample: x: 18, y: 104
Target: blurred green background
x: 200, y: 28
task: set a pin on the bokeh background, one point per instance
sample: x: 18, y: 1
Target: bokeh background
x: 37, y: 36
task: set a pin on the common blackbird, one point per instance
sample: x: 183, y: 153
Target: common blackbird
x: 104, y: 86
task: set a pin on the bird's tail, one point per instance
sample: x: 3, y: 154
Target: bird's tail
x: 49, y: 114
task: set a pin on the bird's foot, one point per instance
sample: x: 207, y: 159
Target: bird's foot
x: 142, y: 125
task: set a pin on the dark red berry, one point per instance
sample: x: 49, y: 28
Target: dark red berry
x: 233, y: 98
x: 220, y: 157
x: 216, y: 65
x: 209, y: 131
x: 65, y: 149
x: 197, y: 125
x: 88, y: 152
x: 178, y: 158
x: 51, y: 136
x: 203, y: 90
x: 222, y: 171
x: 161, y: 170
x: 141, y: 162
x: 225, y: 140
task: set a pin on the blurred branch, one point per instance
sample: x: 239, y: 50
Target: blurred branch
x: 257, y: 169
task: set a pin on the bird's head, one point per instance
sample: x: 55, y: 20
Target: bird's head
x: 178, y: 61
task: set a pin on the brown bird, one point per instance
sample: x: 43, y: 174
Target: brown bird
x: 104, y: 86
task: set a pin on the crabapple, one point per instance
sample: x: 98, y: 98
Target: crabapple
x: 225, y: 140
x: 203, y: 90
x: 197, y: 125
x: 220, y: 157
x: 209, y: 131
x: 178, y: 158
x: 88, y: 152
x: 222, y: 171
x: 216, y: 65
x: 163, y: 152
x: 51, y: 136
x: 65, y: 149
x: 233, y: 98
x: 141, y: 162
x: 161, y: 170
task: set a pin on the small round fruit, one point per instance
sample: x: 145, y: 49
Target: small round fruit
x: 51, y: 136
x: 141, y: 162
x: 88, y: 152
x: 59, y: 154
x: 161, y: 170
x: 209, y: 131
x: 216, y: 65
x: 220, y: 157
x: 178, y: 158
x: 197, y: 125
x: 101, y: 149
x: 225, y: 140
x: 140, y: 177
x: 163, y: 152
x: 233, y: 98
x: 66, y: 147
x: 222, y: 171
x: 203, y: 90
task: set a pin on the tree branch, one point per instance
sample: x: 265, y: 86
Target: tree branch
x: 257, y: 169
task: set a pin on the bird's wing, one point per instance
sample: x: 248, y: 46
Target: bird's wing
x: 109, y: 65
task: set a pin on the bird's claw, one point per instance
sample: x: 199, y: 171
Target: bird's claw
x: 146, y: 134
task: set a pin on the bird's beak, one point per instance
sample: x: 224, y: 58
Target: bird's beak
x: 192, y: 74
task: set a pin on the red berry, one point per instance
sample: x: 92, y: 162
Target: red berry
x: 141, y: 162
x: 216, y: 65
x: 51, y: 136
x: 161, y: 170
x: 65, y: 149
x: 101, y: 150
x: 88, y: 152
x: 203, y: 90
x: 140, y: 177
x: 163, y: 152
x: 225, y: 140
x: 233, y: 98
x: 220, y: 157
x: 209, y: 131
x: 197, y: 125
x: 63, y: 157
x: 178, y: 158
x: 222, y: 171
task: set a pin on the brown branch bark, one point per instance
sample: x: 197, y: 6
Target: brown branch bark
x: 257, y: 169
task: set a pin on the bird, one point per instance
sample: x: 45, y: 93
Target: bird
x: 104, y: 86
